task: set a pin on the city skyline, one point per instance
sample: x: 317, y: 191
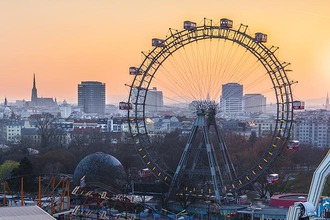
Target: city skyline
x: 42, y: 101
x: 65, y: 43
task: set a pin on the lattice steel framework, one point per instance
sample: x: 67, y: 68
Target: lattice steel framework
x: 275, y: 69
x: 188, y: 167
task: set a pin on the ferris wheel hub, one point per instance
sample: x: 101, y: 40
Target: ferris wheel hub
x: 206, y: 106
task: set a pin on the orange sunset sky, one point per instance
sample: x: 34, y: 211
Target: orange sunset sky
x: 65, y: 42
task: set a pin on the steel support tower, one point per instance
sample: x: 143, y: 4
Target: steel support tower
x: 199, y: 171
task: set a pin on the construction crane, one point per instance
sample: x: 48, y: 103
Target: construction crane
x: 304, y: 210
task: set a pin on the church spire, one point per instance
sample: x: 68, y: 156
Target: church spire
x: 34, y: 96
x: 34, y: 80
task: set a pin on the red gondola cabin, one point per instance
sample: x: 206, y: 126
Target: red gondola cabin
x: 125, y: 106
x: 144, y: 173
x: 293, y: 145
x: 226, y: 23
x: 260, y: 37
x: 135, y: 71
x: 298, y: 105
x: 158, y: 42
x: 272, y: 178
x: 189, y: 25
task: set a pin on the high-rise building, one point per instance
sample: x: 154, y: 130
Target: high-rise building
x: 231, y: 99
x: 254, y: 103
x: 312, y: 127
x: 91, y: 97
x: 154, y: 100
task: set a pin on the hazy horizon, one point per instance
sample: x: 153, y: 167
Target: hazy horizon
x: 66, y: 42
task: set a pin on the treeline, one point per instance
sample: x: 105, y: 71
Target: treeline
x: 295, y: 167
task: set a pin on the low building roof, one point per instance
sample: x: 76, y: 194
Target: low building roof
x: 24, y: 213
x: 86, y: 130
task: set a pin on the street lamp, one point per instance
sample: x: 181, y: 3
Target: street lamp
x: 252, y: 212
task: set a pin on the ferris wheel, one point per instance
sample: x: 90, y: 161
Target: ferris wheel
x: 193, y: 65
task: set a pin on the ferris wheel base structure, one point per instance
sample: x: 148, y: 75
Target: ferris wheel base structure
x: 183, y: 175
x: 175, y: 41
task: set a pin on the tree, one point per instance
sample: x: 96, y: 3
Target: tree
x: 25, y: 170
x: 253, y: 138
x: 79, y: 141
x: 48, y: 132
x: 171, y: 149
x: 54, y: 162
x: 6, y: 168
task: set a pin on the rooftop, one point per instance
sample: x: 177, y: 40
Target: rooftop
x: 24, y: 213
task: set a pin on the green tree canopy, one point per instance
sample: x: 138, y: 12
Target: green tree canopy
x: 6, y: 168
x: 25, y: 170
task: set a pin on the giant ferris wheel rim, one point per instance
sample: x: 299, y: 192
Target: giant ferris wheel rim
x: 178, y: 39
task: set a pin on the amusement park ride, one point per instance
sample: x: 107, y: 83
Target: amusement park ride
x: 305, y: 210
x: 189, y: 177
x: 54, y: 197
x: 218, y: 176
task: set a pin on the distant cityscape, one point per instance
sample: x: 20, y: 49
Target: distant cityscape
x: 240, y: 113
